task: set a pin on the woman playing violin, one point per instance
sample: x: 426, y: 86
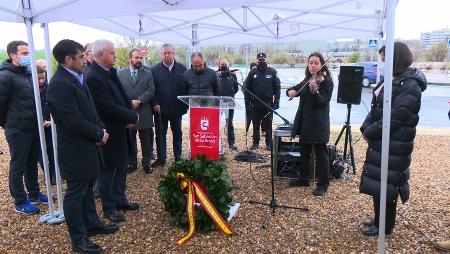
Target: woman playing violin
x: 312, y: 122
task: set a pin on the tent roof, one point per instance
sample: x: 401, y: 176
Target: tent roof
x: 252, y: 22
x: 44, y: 11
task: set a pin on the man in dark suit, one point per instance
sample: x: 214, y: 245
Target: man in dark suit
x: 80, y: 136
x: 138, y: 84
x: 169, y: 83
x: 114, y: 109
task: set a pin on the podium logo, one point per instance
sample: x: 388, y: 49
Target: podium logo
x: 204, y: 124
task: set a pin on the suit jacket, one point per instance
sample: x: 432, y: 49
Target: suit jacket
x: 78, y: 127
x: 142, y: 89
x: 114, y: 109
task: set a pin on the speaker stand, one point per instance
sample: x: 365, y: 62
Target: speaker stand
x: 348, y: 138
x: 273, y: 203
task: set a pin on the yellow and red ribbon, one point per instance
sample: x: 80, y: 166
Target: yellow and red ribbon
x: 196, y: 192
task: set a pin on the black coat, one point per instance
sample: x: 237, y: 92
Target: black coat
x: 17, y: 105
x: 78, y: 127
x: 265, y: 84
x: 405, y: 105
x: 114, y: 109
x: 169, y: 85
x: 205, y: 83
x: 312, y: 121
x: 46, y: 116
x: 228, y: 84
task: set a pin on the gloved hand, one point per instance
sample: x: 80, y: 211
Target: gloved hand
x: 276, y: 106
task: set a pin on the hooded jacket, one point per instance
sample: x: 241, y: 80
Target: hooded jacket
x: 17, y: 106
x: 405, y: 105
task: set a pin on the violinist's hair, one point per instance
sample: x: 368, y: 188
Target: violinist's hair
x: 324, y: 69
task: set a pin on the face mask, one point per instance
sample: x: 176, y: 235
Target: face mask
x: 223, y: 68
x: 262, y: 65
x: 25, y: 61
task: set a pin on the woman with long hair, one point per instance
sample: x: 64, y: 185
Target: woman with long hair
x: 312, y: 122
x: 408, y: 83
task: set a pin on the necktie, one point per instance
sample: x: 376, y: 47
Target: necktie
x: 133, y: 75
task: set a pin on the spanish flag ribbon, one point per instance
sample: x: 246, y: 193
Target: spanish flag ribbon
x: 196, y: 192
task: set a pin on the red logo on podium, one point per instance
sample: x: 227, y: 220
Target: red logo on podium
x: 204, y: 136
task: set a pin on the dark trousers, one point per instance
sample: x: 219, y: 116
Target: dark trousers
x: 391, y: 212
x: 79, y: 210
x: 51, y: 164
x: 24, y: 150
x: 230, y: 127
x: 260, y: 112
x: 161, y: 126
x: 322, y: 163
x: 112, y: 185
x: 146, y: 138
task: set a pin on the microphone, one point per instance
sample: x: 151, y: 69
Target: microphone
x: 226, y: 72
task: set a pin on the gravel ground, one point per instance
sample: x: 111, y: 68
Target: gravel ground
x: 332, y: 224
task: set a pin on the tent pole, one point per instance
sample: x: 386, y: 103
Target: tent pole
x: 37, y: 101
x: 389, y: 56
x: 60, y: 216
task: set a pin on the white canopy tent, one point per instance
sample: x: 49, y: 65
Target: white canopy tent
x: 279, y: 22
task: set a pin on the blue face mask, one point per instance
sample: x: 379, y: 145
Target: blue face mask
x: 25, y: 61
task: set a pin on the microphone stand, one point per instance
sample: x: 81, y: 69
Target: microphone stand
x: 273, y: 203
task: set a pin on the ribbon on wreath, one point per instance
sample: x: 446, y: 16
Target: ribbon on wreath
x: 196, y: 192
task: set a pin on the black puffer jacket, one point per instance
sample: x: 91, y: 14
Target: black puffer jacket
x: 205, y: 83
x: 312, y: 121
x: 406, y: 95
x: 17, y: 106
x: 228, y: 84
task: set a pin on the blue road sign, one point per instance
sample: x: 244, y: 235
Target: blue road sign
x: 373, y: 43
x: 448, y: 43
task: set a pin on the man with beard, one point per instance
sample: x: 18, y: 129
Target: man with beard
x: 229, y: 87
x: 138, y: 84
x: 262, y: 81
x: 201, y: 80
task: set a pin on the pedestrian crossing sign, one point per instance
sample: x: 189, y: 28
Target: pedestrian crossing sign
x: 373, y: 43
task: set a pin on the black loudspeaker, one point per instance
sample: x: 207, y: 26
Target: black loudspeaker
x: 350, y: 84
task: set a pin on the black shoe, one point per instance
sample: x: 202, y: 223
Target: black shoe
x: 103, y: 229
x: 320, y: 191
x: 233, y: 147
x: 373, y: 231
x: 115, y: 216
x: 254, y: 147
x: 131, y: 168
x: 368, y: 223
x: 88, y: 247
x: 157, y: 163
x: 128, y: 207
x: 299, y: 183
x: 269, y: 146
x: 148, y: 169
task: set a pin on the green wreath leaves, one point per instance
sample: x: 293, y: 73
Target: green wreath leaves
x: 212, y: 175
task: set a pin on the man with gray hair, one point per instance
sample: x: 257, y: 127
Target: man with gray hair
x: 169, y: 83
x: 88, y: 56
x: 115, y: 111
x: 201, y: 80
x: 139, y: 86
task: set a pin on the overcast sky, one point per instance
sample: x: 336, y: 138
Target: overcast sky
x: 412, y: 17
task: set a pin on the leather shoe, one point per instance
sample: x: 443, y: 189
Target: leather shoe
x: 88, y: 247
x: 115, y: 216
x: 368, y: 223
x: 372, y: 231
x: 233, y: 147
x: 157, y: 163
x: 103, y: 229
x: 148, y: 169
x: 128, y: 207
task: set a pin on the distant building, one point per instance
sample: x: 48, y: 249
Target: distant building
x: 429, y: 39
